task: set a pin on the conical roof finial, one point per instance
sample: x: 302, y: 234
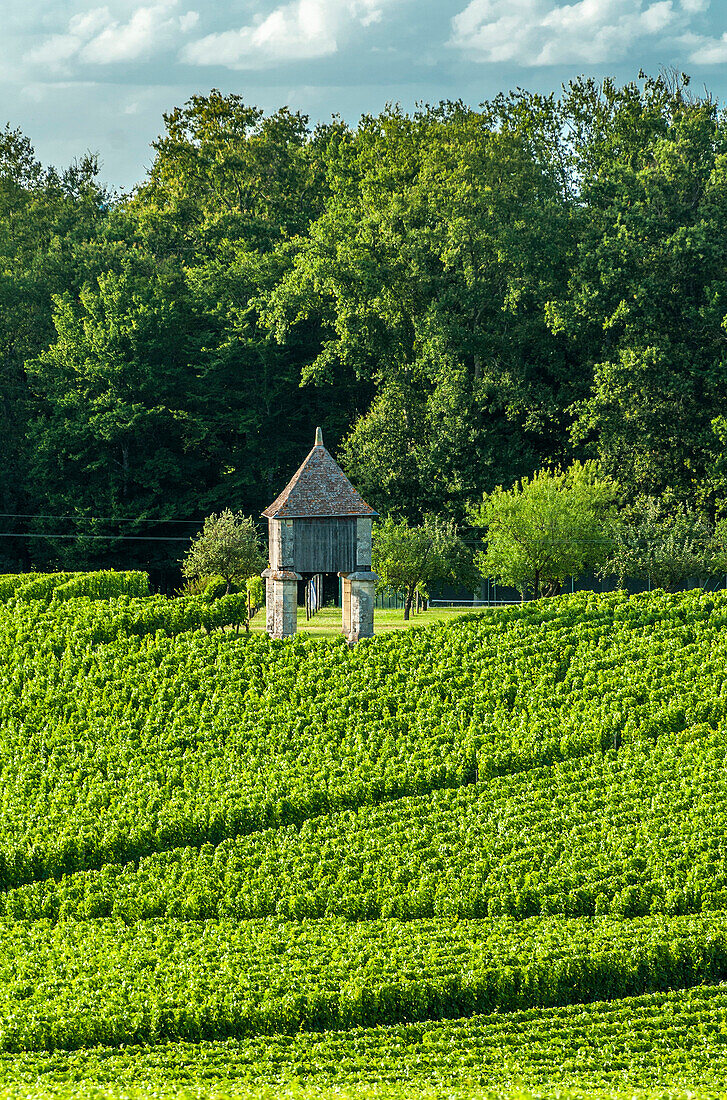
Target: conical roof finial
x: 318, y: 490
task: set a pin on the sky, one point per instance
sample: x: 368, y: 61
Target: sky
x: 81, y: 76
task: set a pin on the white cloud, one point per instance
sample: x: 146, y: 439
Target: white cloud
x: 98, y: 38
x: 297, y: 30
x: 544, y: 32
x: 187, y: 21
x: 88, y: 23
x: 707, y: 51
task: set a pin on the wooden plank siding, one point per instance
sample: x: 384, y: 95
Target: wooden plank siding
x: 325, y: 545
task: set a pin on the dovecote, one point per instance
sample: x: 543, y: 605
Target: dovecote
x: 318, y: 525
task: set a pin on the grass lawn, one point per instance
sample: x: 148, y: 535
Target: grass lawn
x: 328, y: 620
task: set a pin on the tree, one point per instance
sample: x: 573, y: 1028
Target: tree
x: 646, y: 300
x: 426, y: 278
x: 411, y: 559
x: 227, y: 190
x: 228, y: 546
x: 665, y: 548
x: 50, y: 225
x: 553, y: 525
x: 122, y: 426
x: 459, y: 297
x: 224, y: 171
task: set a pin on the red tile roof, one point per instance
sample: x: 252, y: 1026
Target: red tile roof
x: 318, y: 490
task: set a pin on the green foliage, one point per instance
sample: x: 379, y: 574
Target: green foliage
x: 458, y: 851
x: 655, y: 1045
x: 31, y: 585
x: 51, y: 224
x: 225, y: 172
x: 452, y: 853
x: 434, y: 709
x: 214, y: 587
x: 426, y: 276
x: 255, y: 591
x: 459, y: 297
x: 412, y: 559
x: 195, y: 586
x: 103, y: 585
x: 206, y: 836
x: 253, y: 978
x: 276, y: 855
x: 228, y: 546
x: 641, y: 169
x: 546, y: 528
x: 667, y: 547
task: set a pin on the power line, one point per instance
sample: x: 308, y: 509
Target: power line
x: 105, y: 538
x: 101, y: 519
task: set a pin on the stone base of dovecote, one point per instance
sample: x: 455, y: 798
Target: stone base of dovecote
x: 359, y: 594
x: 281, y: 602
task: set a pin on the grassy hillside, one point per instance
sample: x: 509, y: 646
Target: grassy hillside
x: 484, y: 854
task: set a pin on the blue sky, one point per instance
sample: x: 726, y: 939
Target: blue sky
x: 88, y: 75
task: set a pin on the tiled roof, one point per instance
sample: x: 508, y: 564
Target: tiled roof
x: 319, y: 489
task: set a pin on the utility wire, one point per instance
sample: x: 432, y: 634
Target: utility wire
x: 105, y: 538
x: 102, y: 519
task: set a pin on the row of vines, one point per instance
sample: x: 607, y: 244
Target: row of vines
x: 672, y: 1043
x: 449, y: 853
x: 128, y: 729
x: 81, y: 984
x: 600, y: 840
x: 58, y: 587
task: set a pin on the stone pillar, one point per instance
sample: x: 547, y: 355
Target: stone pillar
x: 281, y: 543
x: 345, y: 603
x: 281, y: 602
x: 362, y: 593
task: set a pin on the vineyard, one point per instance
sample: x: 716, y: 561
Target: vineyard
x: 485, y: 857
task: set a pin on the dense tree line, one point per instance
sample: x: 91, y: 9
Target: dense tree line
x: 458, y: 296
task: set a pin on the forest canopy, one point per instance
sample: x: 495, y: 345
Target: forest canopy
x: 458, y: 296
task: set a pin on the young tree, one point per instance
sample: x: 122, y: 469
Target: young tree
x: 410, y: 559
x: 665, y: 548
x: 548, y: 527
x: 228, y: 546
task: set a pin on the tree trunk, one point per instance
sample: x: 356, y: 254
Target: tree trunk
x: 407, y: 605
x: 124, y: 471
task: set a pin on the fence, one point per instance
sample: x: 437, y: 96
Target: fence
x: 492, y: 594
